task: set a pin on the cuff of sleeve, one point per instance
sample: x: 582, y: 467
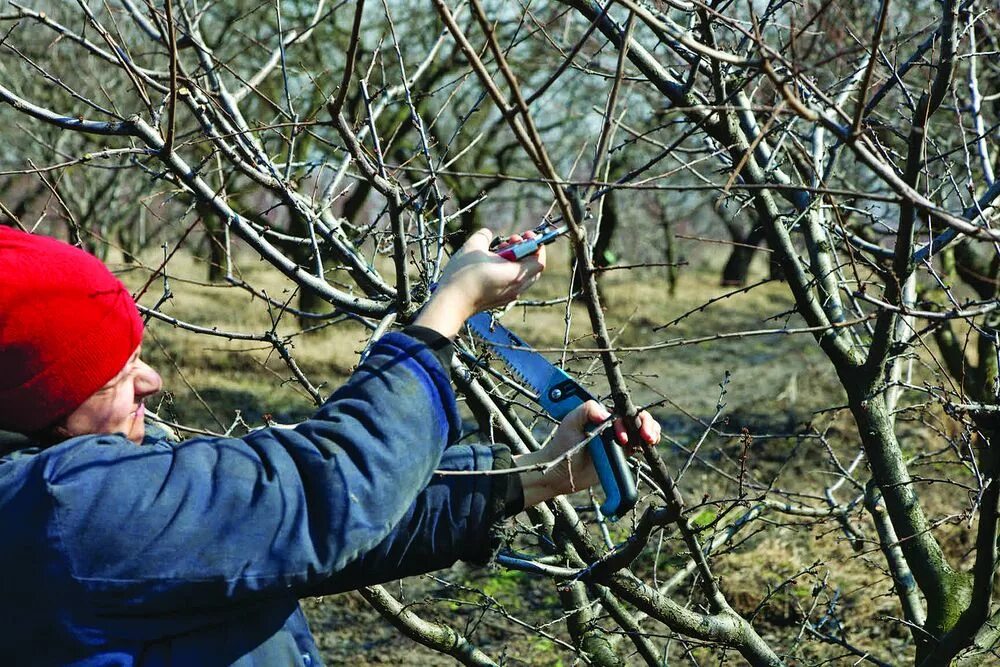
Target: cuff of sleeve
x: 440, y: 345
x: 506, y: 499
x: 507, y: 495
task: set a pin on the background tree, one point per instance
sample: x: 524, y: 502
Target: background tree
x: 341, y: 145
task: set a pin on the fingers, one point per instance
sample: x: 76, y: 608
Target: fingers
x: 648, y: 428
x: 621, y: 433
x: 595, y: 412
x: 591, y: 412
x: 536, y: 260
x: 509, y: 241
x: 533, y: 265
x: 514, y: 239
x: 539, y: 257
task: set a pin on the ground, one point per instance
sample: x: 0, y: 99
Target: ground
x: 775, y: 384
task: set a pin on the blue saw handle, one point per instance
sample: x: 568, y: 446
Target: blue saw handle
x: 616, y: 478
x: 620, y: 494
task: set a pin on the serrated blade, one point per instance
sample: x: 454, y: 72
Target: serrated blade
x: 558, y: 395
x: 533, y: 369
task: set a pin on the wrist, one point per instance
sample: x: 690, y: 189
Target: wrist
x: 542, y: 484
x: 445, y: 312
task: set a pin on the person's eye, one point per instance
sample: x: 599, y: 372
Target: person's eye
x: 114, y: 384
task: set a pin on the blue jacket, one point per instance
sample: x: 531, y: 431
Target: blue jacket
x: 197, y: 553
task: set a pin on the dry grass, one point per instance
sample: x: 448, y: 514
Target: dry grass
x: 778, y: 384
x: 247, y: 376
x: 209, y: 379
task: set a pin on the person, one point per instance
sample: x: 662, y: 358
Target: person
x: 123, y: 548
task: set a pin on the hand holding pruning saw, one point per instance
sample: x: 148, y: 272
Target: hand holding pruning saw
x: 556, y: 392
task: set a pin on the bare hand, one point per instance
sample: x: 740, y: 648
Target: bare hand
x: 478, y: 279
x: 578, y: 472
x: 486, y: 279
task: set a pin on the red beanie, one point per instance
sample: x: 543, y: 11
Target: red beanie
x: 67, y: 326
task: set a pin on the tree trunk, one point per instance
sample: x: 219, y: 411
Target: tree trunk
x: 737, y: 267
x: 602, y: 255
x: 215, y: 237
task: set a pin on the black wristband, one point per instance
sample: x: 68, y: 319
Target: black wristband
x: 507, y: 496
x: 439, y: 345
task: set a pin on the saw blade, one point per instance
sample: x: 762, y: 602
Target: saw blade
x: 532, y: 368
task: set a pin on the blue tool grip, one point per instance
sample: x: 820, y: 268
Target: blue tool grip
x: 616, y: 478
x: 558, y: 395
x: 620, y: 494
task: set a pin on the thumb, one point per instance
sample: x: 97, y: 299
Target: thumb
x: 480, y: 240
x: 593, y: 412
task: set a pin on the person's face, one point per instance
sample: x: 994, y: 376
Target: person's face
x: 117, y: 407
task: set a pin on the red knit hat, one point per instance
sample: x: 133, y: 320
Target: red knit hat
x: 67, y: 326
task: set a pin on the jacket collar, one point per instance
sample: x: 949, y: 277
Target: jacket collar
x: 11, y: 442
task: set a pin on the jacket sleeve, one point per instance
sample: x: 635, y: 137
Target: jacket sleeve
x: 212, y: 521
x: 454, y: 518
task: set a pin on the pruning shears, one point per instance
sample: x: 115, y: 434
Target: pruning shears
x: 558, y: 394
x: 547, y: 233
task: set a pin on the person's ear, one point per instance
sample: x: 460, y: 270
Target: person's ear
x: 51, y: 435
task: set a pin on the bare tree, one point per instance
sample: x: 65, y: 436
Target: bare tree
x: 343, y: 144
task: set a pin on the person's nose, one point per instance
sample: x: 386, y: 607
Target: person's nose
x: 147, y: 380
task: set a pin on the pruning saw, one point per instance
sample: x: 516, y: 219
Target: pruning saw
x: 558, y: 394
